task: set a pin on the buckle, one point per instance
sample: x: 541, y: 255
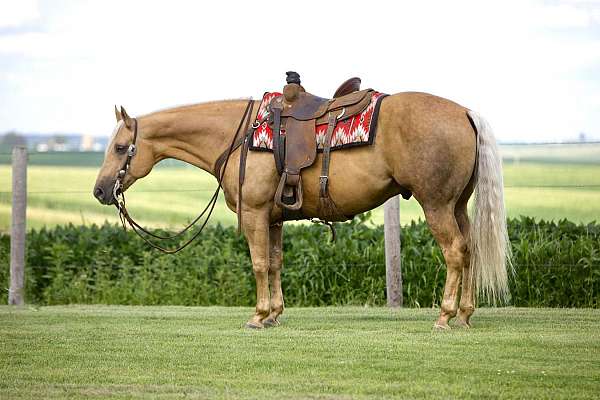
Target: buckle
x: 131, y: 150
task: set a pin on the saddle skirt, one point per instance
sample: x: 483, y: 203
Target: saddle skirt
x: 358, y: 130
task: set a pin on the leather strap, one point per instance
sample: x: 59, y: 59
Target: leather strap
x: 324, y: 178
x: 242, y: 172
x: 277, y: 145
x: 245, y: 146
x: 131, y: 151
x: 238, y: 142
x: 327, y: 210
x: 221, y: 160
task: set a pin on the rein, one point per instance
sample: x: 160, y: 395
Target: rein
x: 119, y: 196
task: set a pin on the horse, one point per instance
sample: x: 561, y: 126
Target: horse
x: 429, y: 147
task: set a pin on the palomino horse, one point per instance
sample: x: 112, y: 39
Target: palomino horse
x: 438, y: 150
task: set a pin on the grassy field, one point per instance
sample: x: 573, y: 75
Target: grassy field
x: 332, y: 353
x: 62, y: 194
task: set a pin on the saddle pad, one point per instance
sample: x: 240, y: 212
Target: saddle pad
x: 358, y: 130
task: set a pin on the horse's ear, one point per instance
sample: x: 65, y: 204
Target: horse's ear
x: 118, y: 114
x: 128, y: 121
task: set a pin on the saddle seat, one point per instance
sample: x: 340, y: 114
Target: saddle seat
x: 298, y: 112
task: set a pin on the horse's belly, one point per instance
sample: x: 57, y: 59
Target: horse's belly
x: 358, y: 181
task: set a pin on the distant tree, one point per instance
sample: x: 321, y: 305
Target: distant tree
x: 582, y: 137
x: 12, y: 139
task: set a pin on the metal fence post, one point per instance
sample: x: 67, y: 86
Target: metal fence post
x: 18, y: 227
x: 393, y: 266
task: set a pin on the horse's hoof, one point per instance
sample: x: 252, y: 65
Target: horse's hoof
x: 463, y: 324
x: 254, y: 325
x: 270, y: 322
x: 441, y: 327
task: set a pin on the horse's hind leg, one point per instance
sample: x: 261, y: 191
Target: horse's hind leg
x: 454, y: 247
x: 275, y: 263
x: 467, y: 295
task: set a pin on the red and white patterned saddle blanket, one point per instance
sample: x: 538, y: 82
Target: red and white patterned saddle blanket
x: 358, y: 130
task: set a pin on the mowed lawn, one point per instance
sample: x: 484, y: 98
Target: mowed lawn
x: 171, y: 196
x: 333, y: 353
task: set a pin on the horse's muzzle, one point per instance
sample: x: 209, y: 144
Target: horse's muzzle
x: 103, y: 196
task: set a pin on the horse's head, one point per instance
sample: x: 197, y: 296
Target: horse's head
x: 128, y: 157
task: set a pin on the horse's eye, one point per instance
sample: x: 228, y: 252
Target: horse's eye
x: 119, y: 148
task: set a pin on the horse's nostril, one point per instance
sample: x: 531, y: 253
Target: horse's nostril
x: 99, y: 193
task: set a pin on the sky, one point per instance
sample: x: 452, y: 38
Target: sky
x: 532, y: 68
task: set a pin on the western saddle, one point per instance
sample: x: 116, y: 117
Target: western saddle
x: 298, y: 112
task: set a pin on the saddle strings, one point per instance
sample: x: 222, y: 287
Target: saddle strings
x: 124, y: 215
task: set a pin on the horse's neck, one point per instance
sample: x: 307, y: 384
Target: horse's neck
x: 196, y: 134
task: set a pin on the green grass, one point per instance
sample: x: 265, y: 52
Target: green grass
x: 583, y: 153
x: 59, y: 195
x: 333, y: 353
x: 169, y: 197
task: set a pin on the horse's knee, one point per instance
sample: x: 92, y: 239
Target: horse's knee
x: 260, y: 267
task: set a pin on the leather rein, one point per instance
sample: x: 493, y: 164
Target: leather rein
x: 220, y: 167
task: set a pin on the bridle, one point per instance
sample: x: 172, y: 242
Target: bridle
x: 119, y: 196
x: 131, y: 151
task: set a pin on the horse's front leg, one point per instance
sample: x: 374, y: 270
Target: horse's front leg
x: 255, y: 224
x: 275, y: 262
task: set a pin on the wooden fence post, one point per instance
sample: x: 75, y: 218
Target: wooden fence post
x: 18, y: 228
x: 393, y: 266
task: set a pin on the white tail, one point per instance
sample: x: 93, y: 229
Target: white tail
x: 490, y: 246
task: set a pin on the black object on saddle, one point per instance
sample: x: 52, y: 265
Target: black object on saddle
x: 292, y: 77
x: 298, y: 112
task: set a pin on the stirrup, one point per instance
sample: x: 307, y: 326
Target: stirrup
x: 279, y: 194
